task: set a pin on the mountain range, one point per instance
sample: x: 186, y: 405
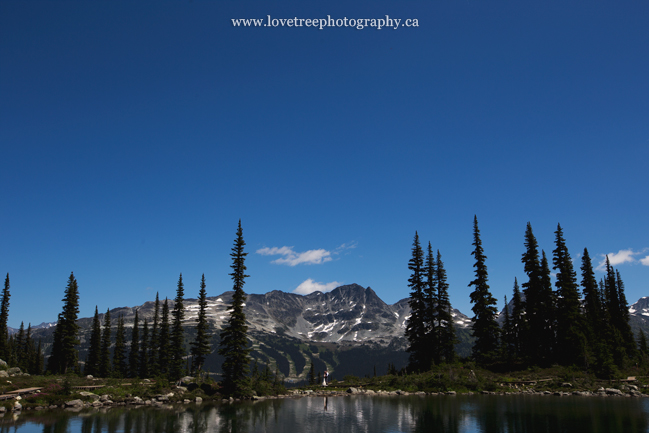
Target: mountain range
x: 349, y: 330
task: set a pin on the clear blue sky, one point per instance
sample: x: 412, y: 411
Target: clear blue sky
x: 134, y: 136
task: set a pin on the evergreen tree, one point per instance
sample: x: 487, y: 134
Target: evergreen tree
x: 134, y: 353
x: 431, y: 319
x: 518, y: 321
x: 144, y: 351
x: 164, y: 349
x: 445, y: 328
x: 177, y: 350
x: 616, y: 341
x: 312, y: 374
x: 201, y: 346
x: 571, y: 340
x: 416, y: 326
x: 39, y: 361
x: 507, y: 336
x: 94, y: 349
x: 234, y: 342
x: 625, y: 328
x: 120, y: 368
x: 592, y: 301
x: 155, y: 338
x: 485, y: 327
x: 64, y: 354
x: 539, y: 340
x: 4, y: 318
x: 19, y: 347
x: 642, y: 344
x: 104, y: 353
x: 598, y: 328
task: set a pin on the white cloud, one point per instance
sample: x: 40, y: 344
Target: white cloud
x: 310, y: 286
x: 292, y: 258
x: 621, y: 257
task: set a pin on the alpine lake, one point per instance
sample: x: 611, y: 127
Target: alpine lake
x: 354, y: 413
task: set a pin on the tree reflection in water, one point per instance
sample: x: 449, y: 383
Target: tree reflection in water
x: 442, y: 413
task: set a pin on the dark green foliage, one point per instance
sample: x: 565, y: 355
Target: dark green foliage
x: 120, y: 368
x: 642, y: 344
x: 177, y: 349
x: 134, y: 353
x: 164, y: 349
x: 64, y: 355
x: 539, y: 312
x: 507, y: 339
x: 485, y: 328
x: 445, y: 328
x: 144, y: 351
x: 312, y: 375
x: 4, y: 317
x: 92, y: 360
x: 416, y: 325
x: 571, y: 338
x: 201, y: 345
x: 597, y: 319
x: 625, y: 328
x: 154, y: 338
x: 282, y: 363
x: 234, y: 342
x: 19, y: 347
x: 104, y: 353
x: 518, y: 322
x: 431, y: 318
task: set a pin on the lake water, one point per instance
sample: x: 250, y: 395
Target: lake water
x: 475, y: 413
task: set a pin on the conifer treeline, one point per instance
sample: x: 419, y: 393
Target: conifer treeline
x: 429, y: 329
x: 158, y: 351
x: 542, y: 326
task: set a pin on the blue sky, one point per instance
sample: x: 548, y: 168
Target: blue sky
x: 135, y: 135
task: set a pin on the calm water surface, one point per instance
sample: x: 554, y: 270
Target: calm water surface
x: 356, y: 414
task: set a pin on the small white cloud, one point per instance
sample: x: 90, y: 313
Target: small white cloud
x: 310, y: 286
x: 621, y: 257
x: 292, y: 258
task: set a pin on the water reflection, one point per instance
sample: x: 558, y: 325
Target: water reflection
x: 355, y: 414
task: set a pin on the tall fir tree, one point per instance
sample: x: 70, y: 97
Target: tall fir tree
x: 144, y: 351
x: 416, y: 326
x: 19, y: 347
x: 625, y: 327
x: 134, y: 352
x: 571, y: 338
x: 445, y: 328
x: 507, y: 340
x: 592, y: 300
x: 164, y: 347
x: 64, y: 355
x: 234, y: 341
x: 598, y: 327
x: 616, y: 340
x: 485, y: 328
x: 94, y: 349
x: 104, y: 354
x: 539, y: 339
x: 154, y: 340
x: 432, y: 339
x: 120, y: 367
x: 642, y: 344
x: 201, y: 345
x: 4, y: 318
x: 178, y: 352
x: 518, y: 322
